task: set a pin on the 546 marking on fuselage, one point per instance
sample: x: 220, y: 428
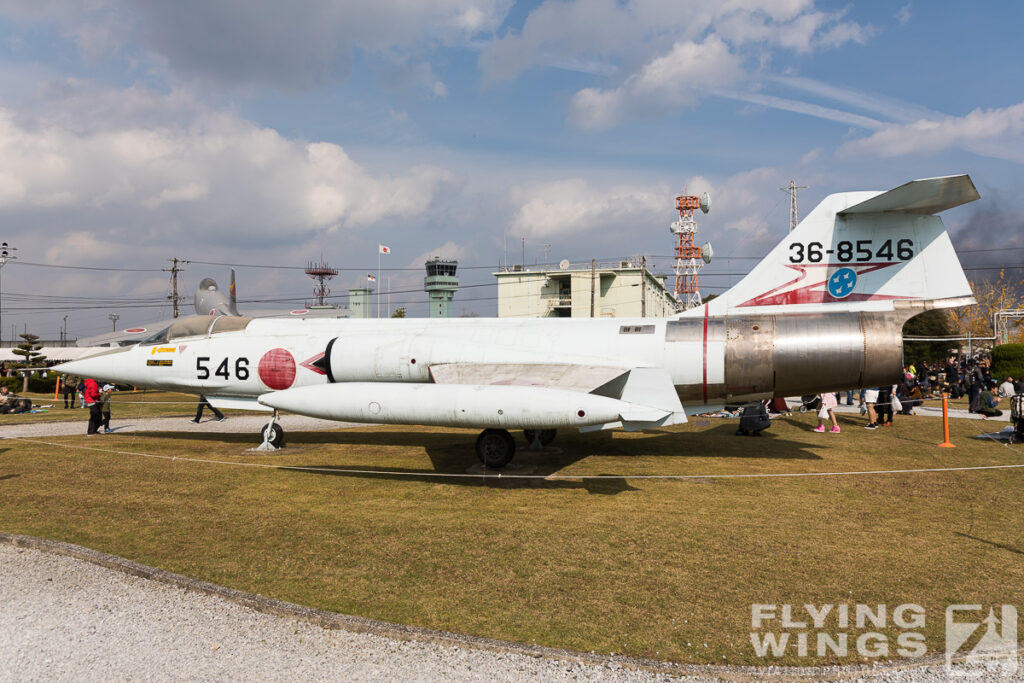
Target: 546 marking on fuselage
x: 241, y: 368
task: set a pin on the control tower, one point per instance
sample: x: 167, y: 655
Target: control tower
x: 440, y: 285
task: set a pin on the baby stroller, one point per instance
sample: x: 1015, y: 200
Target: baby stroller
x: 810, y: 402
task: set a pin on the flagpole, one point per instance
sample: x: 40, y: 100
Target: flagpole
x: 378, y: 280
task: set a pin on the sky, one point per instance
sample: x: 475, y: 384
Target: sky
x: 260, y: 134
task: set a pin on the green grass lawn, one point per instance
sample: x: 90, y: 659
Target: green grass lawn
x: 653, y: 568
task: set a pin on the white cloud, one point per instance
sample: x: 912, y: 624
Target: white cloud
x: 997, y: 133
x: 560, y: 33
x: 662, y: 54
x: 904, y: 14
x: 292, y: 45
x: 573, y: 206
x: 398, y: 74
x: 677, y: 79
x: 449, y: 250
x: 84, y: 245
x: 212, y: 175
x: 801, y: 29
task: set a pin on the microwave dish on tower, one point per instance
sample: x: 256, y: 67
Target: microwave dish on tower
x: 689, y: 257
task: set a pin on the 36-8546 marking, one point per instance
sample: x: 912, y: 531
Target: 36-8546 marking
x: 848, y: 251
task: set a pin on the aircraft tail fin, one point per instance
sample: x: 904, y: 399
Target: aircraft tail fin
x: 232, y: 293
x: 861, y: 251
x: 210, y: 300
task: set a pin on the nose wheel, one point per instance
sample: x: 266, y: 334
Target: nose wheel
x: 273, y: 435
x: 495, y: 448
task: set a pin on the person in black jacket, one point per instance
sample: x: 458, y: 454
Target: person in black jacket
x: 199, y: 411
x: 975, y: 381
x: 884, y: 405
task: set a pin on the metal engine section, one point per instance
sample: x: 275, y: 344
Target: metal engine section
x: 769, y: 355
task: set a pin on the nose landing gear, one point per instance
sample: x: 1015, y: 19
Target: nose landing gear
x: 273, y: 435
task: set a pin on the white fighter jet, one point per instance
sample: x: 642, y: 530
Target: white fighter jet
x: 823, y: 311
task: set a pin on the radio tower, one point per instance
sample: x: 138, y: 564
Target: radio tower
x: 689, y: 257
x: 321, y: 274
x: 794, y: 213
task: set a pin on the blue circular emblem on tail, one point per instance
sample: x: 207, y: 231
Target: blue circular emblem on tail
x: 842, y: 282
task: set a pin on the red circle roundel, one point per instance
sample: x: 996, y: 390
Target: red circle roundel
x: 277, y: 369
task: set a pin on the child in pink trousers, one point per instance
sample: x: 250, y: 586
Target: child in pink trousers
x: 828, y: 402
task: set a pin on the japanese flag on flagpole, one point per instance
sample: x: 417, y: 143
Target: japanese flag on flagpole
x: 383, y: 249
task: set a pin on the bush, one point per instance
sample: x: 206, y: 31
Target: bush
x: 36, y: 384
x: 1007, y: 361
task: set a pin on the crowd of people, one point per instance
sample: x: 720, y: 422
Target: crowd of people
x: 958, y: 378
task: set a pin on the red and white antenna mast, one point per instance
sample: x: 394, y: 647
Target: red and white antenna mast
x: 689, y: 257
x: 321, y: 274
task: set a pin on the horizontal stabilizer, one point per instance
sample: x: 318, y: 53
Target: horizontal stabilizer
x: 922, y: 197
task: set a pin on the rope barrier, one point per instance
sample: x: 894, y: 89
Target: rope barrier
x: 544, y: 477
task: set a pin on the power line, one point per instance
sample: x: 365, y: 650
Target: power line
x: 418, y: 269
x: 120, y: 270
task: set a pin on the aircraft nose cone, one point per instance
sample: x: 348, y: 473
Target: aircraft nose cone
x: 107, y: 365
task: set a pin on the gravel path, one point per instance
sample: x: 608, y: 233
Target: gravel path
x: 67, y: 619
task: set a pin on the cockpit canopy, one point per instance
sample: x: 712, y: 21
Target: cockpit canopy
x: 197, y: 326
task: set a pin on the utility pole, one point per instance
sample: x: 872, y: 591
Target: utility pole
x: 794, y: 214
x: 64, y: 331
x: 643, y: 287
x: 593, y: 274
x: 174, y: 270
x: 113, y: 319
x: 5, y: 255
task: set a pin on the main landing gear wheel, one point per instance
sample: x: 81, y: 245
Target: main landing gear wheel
x: 273, y: 434
x: 495, y: 447
x: 545, y: 436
